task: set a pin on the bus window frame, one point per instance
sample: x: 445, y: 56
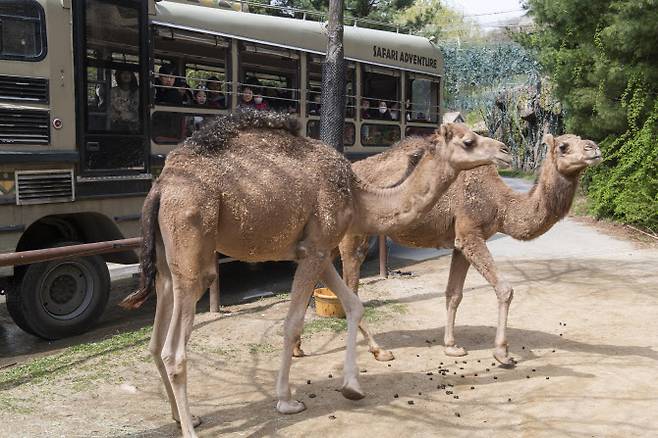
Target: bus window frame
x: 43, y: 37
x: 399, y: 74
x: 384, y: 124
x: 434, y: 81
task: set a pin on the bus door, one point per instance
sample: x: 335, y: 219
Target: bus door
x: 112, y: 86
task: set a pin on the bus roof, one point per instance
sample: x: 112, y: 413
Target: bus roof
x: 401, y: 51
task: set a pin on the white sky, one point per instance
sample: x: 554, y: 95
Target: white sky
x: 497, y: 8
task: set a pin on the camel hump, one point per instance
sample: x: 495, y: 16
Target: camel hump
x: 217, y: 133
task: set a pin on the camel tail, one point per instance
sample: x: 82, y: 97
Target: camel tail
x: 147, y: 255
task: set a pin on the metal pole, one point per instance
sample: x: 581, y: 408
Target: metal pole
x: 66, y: 252
x: 214, y: 289
x: 332, y: 111
x: 383, y: 257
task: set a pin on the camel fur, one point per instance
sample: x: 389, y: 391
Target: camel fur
x: 248, y: 187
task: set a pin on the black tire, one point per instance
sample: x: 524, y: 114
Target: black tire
x: 14, y: 309
x: 61, y: 298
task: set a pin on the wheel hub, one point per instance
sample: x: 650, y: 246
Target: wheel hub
x: 66, y: 290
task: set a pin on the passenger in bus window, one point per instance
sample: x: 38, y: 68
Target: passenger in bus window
x: 260, y: 103
x: 187, y: 98
x: 165, y: 93
x: 395, y: 111
x: 200, y: 97
x: 216, y: 98
x: 124, y: 102
x: 382, y: 111
x: 365, y: 109
x: 247, y: 98
x: 315, y: 104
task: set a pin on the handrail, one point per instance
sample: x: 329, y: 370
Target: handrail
x: 67, y: 252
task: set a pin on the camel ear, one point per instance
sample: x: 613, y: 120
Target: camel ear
x: 446, y: 130
x: 549, y: 141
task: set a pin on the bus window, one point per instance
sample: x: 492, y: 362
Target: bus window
x: 381, y: 94
x: 269, y: 78
x: 112, y: 79
x: 422, y: 98
x: 313, y: 131
x: 195, y: 74
x: 173, y: 128
x: 22, y: 30
x: 418, y: 131
x: 379, y: 135
x: 315, y: 86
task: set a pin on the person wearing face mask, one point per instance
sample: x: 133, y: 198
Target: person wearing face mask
x: 395, y: 111
x: 259, y: 103
x: 383, y: 112
x: 165, y: 94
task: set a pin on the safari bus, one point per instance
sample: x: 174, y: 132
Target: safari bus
x: 95, y: 93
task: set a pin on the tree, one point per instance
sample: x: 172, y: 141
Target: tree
x: 602, y: 57
x: 332, y: 113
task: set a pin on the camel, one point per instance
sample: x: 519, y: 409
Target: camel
x: 247, y: 186
x: 477, y: 206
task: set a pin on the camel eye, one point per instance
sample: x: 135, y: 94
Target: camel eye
x: 469, y: 142
x: 563, y: 147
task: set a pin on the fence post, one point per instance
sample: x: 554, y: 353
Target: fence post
x: 383, y: 256
x: 214, y: 289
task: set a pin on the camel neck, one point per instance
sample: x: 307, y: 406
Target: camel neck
x: 530, y: 215
x: 385, y: 211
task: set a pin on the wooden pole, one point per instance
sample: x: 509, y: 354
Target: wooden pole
x: 383, y: 257
x: 332, y: 110
x: 214, y: 289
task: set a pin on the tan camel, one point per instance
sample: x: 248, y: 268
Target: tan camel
x: 477, y: 206
x: 248, y: 187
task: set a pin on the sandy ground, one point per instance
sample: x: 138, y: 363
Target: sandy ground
x: 583, y: 326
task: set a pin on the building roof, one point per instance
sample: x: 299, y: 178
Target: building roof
x: 453, y: 117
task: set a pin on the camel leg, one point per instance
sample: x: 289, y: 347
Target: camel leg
x: 163, y: 313
x: 454, y: 292
x: 476, y: 252
x: 354, y: 312
x: 353, y: 251
x: 306, y: 275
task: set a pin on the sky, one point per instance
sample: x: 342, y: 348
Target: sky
x: 495, y: 10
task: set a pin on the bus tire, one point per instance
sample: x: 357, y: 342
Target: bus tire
x: 61, y: 298
x: 14, y: 308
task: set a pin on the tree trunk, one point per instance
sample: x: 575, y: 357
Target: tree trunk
x: 332, y: 111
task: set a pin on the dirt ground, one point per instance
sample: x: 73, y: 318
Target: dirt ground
x: 583, y: 327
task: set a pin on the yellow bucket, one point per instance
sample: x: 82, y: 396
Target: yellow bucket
x: 327, y: 303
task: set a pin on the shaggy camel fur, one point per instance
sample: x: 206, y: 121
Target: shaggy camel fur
x: 248, y: 187
x: 477, y: 206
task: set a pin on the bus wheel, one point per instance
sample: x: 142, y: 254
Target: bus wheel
x: 63, y: 297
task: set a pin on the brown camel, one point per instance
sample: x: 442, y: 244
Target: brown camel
x: 477, y: 206
x: 248, y: 187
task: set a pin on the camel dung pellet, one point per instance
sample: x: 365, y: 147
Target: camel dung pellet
x: 418, y: 355
x: 330, y: 376
x: 547, y: 377
x: 389, y: 365
x: 441, y: 363
x: 493, y: 364
x: 450, y: 385
x: 420, y: 393
x: 364, y: 371
x: 454, y: 372
x: 560, y: 334
x: 527, y: 377
x: 395, y: 396
x: 522, y: 348
x: 312, y: 396
x: 478, y: 360
x: 476, y: 374
x: 553, y: 351
x: 427, y: 341
x: 332, y: 417
x: 495, y: 377
x: 430, y: 378
x: 456, y: 362
x: 509, y: 399
x: 410, y: 402
x: 486, y: 369
x: 429, y: 373
x: 455, y: 396
x: 449, y: 392
x: 461, y: 368
x: 464, y: 361
x: 472, y: 387
x: 308, y: 382
x: 457, y: 414
x: 534, y: 370
x: 462, y: 376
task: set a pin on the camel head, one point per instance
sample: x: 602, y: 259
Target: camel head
x: 464, y: 149
x: 572, y: 154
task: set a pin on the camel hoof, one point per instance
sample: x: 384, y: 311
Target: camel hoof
x: 195, y: 421
x: 505, y: 360
x: 454, y: 351
x: 383, y: 355
x: 352, y: 391
x: 290, y: 407
x: 298, y: 352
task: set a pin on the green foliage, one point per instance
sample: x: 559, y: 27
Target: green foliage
x: 432, y: 18
x: 603, y: 59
